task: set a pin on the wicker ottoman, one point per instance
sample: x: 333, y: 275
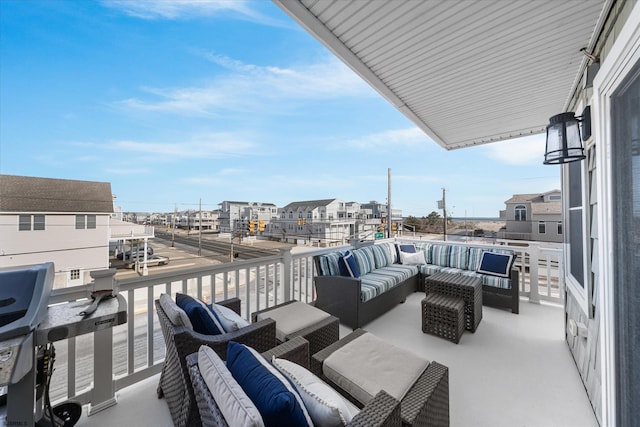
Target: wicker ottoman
x: 459, y: 286
x: 295, y: 318
x: 443, y: 316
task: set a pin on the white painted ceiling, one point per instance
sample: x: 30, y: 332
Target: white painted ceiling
x: 466, y: 72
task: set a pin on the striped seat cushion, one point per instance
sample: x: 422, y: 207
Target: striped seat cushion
x: 496, y: 282
x: 404, y: 271
x: 374, y: 284
x: 429, y: 269
x: 475, y: 255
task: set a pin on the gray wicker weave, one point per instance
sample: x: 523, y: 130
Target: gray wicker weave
x: 427, y: 401
x: 443, y: 316
x: 459, y: 286
x: 319, y: 335
x: 382, y: 411
x: 180, y: 341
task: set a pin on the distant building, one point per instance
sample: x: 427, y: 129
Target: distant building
x: 234, y: 216
x: 58, y: 220
x: 327, y: 222
x: 536, y: 217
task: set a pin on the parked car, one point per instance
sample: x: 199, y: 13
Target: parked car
x: 134, y: 253
x: 152, y: 260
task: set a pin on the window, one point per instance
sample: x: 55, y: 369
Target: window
x: 542, y: 228
x: 555, y: 197
x: 38, y: 222
x: 24, y: 223
x: 559, y: 229
x: 85, y: 221
x: 521, y: 213
x: 576, y: 244
x: 31, y: 222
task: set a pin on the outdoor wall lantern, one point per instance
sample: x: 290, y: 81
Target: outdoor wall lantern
x: 564, y: 143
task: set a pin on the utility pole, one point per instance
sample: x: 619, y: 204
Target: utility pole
x: 389, y: 202
x: 173, y: 228
x: 200, y: 228
x: 444, y: 213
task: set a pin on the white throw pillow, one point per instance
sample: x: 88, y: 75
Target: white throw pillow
x: 416, y: 258
x: 235, y: 405
x: 230, y: 320
x: 326, y: 407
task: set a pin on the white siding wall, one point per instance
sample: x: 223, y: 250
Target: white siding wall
x: 59, y: 242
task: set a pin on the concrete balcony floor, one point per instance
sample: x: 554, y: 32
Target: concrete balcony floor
x: 515, y: 370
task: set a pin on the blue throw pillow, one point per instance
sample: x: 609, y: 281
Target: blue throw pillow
x: 202, y: 318
x: 277, y: 400
x: 348, y: 265
x: 411, y: 249
x: 496, y: 264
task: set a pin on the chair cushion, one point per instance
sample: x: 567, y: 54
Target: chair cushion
x: 176, y: 315
x: 230, y: 320
x: 291, y: 318
x: 233, y: 402
x: 277, y: 401
x: 495, y: 264
x: 202, y: 317
x: 327, y: 407
x: 368, y: 364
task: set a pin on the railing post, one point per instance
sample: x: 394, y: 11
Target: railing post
x: 534, y: 256
x: 103, y: 394
x: 287, y: 262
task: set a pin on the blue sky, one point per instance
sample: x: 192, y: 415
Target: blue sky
x: 177, y: 102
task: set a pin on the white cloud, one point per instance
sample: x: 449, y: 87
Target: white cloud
x: 390, y: 139
x: 249, y: 87
x: 521, y: 151
x: 180, y: 9
x: 217, y: 145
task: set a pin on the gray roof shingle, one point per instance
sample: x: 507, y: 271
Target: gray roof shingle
x: 32, y: 194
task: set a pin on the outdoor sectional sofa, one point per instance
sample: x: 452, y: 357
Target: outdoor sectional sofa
x: 381, y: 281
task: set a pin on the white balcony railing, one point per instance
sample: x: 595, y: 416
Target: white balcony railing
x: 138, y: 346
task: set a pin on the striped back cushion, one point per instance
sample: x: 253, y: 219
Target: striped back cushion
x: 427, y: 248
x: 328, y: 264
x: 475, y: 255
x: 458, y: 257
x: 364, y: 258
x: 381, y: 256
x: 392, y: 254
x: 440, y: 255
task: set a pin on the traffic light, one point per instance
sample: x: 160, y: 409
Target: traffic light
x: 252, y: 226
x: 394, y: 226
x: 261, y: 225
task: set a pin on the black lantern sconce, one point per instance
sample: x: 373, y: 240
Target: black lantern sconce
x: 564, y: 143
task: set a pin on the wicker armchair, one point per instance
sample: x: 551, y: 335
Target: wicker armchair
x: 382, y: 411
x: 427, y: 401
x: 180, y: 341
